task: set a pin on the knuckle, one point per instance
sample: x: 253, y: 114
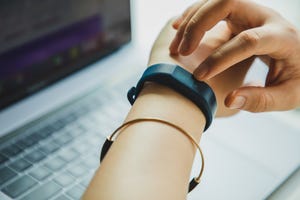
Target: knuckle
x: 215, y: 61
x: 211, y: 63
x: 218, y: 55
x: 228, y: 4
x: 292, y: 30
x: 249, y: 39
x: 293, y: 35
x: 265, y: 102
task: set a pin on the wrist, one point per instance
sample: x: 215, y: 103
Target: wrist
x: 156, y: 100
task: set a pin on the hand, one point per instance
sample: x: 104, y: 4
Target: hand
x: 254, y: 30
x: 222, y: 84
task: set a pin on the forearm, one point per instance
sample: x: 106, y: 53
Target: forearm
x: 151, y: 160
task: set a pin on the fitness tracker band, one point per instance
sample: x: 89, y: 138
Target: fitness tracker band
x: 181, y: 81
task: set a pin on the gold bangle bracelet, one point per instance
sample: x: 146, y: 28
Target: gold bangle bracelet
x: 109, y: 141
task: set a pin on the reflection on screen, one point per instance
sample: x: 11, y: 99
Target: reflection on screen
x: 44, y: 41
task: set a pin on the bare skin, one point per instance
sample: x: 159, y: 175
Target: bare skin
x: 151, y: 160
x: 255, y: 30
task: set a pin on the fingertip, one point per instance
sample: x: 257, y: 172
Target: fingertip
x: 173, y: 53
x: 175, y: 26
x: 173, y: 49
x: 229, y: 98
x: 236, y: 102
x: 185, y: 52
x: 202, y: 72
x: 176, y: 23
x: 188, y: 45
x: 184, y: 48
x: 174, y: 45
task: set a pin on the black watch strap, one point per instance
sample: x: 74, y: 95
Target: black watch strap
x: 183, y: 82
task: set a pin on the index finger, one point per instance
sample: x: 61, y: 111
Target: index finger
x: 203, y: 20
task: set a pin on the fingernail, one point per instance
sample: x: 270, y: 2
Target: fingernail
x: 176, y: 21
x: 173, y: 49
x: 201, y: 72
x: 173, y: 46
x: 183, y: 47
x: 238, y: 102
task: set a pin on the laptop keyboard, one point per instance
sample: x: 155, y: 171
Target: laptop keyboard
x: 57, y: 156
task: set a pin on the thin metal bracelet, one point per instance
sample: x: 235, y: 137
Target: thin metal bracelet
x: 194, y: 182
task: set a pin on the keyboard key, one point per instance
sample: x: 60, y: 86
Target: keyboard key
x: 64, y: 179
x: 49, y: 147
x: 68, y: 155
x: 68, y: 119
x: 55, y: 163
x: 6, y: 174
x: 94, y: 144
x: 92, y: 162
x: 63, y: 138
x: 46, y: 132
x: 40, y: 173
x: 75, y: 192
x: 25, y: 143
x: 11, y: 150
x: 35, y: 137
x: 35, y: 156
x: 80, y: 111
x: 43, y: 192
x: 20, y: 165
x: 62, y: 197
x: 3, y: 158
x: 58, y: 125
x: 81, y: 147
x: 19, y: 186
x: 76, y: 131
x: 78, y: 170
x: 91, y: 149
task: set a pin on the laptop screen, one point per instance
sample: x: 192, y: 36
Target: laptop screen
x: 43, y: 41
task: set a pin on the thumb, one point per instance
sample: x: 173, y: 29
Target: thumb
x: 260, y: 99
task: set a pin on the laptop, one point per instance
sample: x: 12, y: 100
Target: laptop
x: 60, y: 92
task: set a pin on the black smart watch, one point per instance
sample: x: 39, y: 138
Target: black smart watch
x: 183, y: 82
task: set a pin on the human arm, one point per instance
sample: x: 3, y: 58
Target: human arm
x: 150, y: 160
x: 255, y: 31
